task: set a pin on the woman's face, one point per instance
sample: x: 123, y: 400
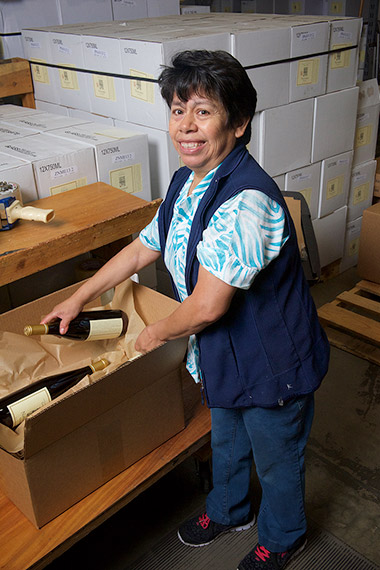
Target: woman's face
x: 199, y: 131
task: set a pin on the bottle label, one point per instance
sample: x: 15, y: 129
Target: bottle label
x: 22, y: 408
x: 105, y: 328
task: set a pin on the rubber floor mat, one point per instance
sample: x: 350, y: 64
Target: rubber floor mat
x: 323, y: 552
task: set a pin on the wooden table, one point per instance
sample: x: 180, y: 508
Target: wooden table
x: 85, y: 219
x: 23, y: 546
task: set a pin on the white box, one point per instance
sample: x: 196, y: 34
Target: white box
x: 308, y: 74
x: 72, y: 11
x: 142, y: 60
x: 361, y: 189
x: 21, y: 172
x: 157, y: 8
x: 367, y: 121
x: 11, y: 46
x: 129, y: 9
x: 64, y: 165
x: 195, y: 9
x: 13, y: 111
x: 271, y: 83
x: 163, y: 158
x: 9, y: 132
x: 122, y: 157
x: 261, y: 43
x: 280, y: 181
x: 299, y: 7
x: 335, y: 183
x: 281, y: 137
x: 38, y: 51
x: 19, y: 14
x: 91, y: 117
x: 351, y: 244
x: 43, y: 122
x: 107, y: 93
x: 334, y: 123
x: 306, y: 180
x: 342, y: 66
x: 66, y: 50
x: 53, y: 108
x: 329, y: 233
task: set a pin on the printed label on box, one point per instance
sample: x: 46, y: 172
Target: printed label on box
x: 334, y: 187
x: 69, y: 79
x: 40, y: 72
x: 336, y: 8
x: 68, y: 186
x: 140, y: 89
x: 361, y: 193
x: 296, y: 8
x: 340, y: 59
x: 128, y: 179
x: 104, y: 87
x: 306, y: 193
x: 363, y: 136
x: 61, y: 172
x: 353, y: 247
x: 308, y: 72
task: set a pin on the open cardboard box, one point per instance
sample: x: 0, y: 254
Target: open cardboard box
x: 85, y: 438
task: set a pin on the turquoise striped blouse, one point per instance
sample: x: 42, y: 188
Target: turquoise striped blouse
x: 242, y: 237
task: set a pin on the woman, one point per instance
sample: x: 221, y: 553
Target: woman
x: 255, y: 345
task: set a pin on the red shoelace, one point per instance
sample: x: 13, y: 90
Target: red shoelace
x: 263, y: 553
x: 204, y: 521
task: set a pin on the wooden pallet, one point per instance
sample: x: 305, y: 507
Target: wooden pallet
x: 352, y: 321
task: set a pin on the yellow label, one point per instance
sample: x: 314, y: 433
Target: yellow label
x: 296, y: 8
x: 25, y: 406
x: 104, y: 87
x: 363, y: 136
x: 105, y: 328
x: 40, y: 72
x: 361, y: 193
x: 334, y: 187
x: 362, y: 55
x: 68, y: 79
x: 308, y: 72
x: 68, y: 186
x: 353, y: 248
x: 306, y: 193
x: 140, y: 89
x: 336, y: 8
x: 340, y: 59
x: 128, y: 178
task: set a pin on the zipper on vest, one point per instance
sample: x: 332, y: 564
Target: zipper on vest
x: 202, y: 392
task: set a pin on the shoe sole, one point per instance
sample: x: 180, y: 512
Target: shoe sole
x: 246, y: 526
x: 294, y: 555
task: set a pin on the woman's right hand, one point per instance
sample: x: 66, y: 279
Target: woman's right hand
x: 66, y: 311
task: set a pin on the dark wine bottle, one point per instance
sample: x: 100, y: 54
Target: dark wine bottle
x: 88, y: 325
x: 14, y: 408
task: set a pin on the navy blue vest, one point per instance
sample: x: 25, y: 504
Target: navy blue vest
x: 269, y: 346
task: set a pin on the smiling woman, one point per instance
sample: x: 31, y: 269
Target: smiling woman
x: 255, y: 343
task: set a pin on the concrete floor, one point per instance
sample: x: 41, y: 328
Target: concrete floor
x: 343, y: 471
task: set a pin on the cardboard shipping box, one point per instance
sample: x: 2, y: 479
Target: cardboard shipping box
x: 80, y: 441
x: 369, y: 248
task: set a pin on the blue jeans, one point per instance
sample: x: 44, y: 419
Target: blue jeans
x: 275, y: 438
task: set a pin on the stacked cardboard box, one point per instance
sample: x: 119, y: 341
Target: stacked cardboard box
x: 304, y: 128
x: 81, y: 152
x: 364, y: 168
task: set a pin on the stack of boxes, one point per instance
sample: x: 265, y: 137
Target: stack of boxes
x: 81, y: 153
x: 304, y: 128
x: 363, y: 170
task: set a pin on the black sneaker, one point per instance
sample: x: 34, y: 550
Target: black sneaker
x: 262, y: 559
x: 201, y: 530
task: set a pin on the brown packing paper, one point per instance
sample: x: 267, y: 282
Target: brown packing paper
x: 23, y: 360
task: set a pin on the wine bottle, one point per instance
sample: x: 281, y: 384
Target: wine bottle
x: 14, y: 408
x: 88, y: 325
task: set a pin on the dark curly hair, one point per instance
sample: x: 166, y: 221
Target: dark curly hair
x: 217, y: 75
